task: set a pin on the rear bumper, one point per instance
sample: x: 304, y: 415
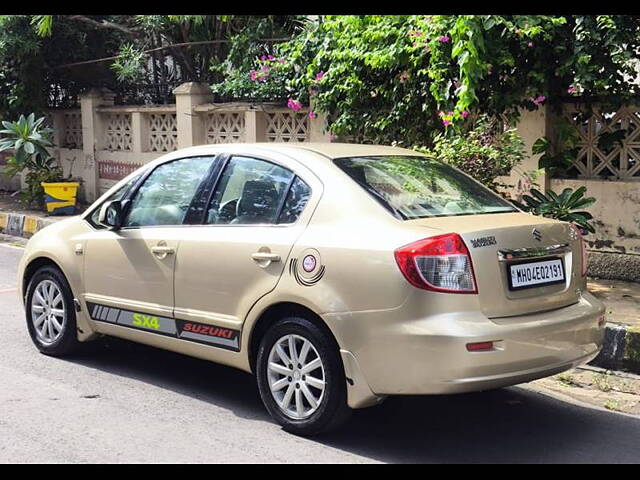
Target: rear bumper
x: 429, y: 356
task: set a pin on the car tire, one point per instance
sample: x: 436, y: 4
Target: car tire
x: 49, y: 296
x: 331, y: 410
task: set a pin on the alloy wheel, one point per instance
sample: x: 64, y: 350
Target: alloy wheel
x: 296, y: 376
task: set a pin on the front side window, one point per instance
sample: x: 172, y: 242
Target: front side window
x: 250, y: 191
x: 418, y: 187
x: 117, y: 195
x: 165, y: 196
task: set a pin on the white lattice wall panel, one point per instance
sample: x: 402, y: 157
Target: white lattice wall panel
x: 287, y: 127
x: 118, y: 132
x: 618, y: 159
x: 163, y: 132
x: 72, y: 130
x: 225, y: 127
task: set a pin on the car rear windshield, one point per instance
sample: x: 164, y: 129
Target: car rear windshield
x: 419, y: 187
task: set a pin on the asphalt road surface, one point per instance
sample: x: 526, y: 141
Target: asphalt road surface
x: 122, y: 402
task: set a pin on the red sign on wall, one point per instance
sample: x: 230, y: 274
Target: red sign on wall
x: 110, y: 170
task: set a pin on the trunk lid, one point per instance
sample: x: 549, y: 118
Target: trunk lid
x: 497, y: 241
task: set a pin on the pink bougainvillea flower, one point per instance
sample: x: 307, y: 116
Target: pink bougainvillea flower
x: 253, y: 75
x: 572, y: 89
x: 446, y: 123
x: 444, y: 39
x: 265, y: 68
x: 539, y: 99
x: 294, y: 104
x: 530, y: 44
x: 313, y: 114
x: 263, y: 57
x: 271, y: 57
x: 464, y: 114
x: 319, y: 76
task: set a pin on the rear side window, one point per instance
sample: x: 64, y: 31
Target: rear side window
x: 250, y: 191
x: 297, y: 199
x: 418, y: 187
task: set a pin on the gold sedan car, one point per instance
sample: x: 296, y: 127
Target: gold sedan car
x: 338, y: 274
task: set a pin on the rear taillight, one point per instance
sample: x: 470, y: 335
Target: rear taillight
x: 583, y: 251
x: 441, y: 263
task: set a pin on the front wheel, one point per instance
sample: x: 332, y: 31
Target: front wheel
x: 51, y: 319
x: 301, y: 378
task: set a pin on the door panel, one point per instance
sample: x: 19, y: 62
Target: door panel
x: 223, y: 268
x: 122, y: 270
x: 217, y: 280
x: 133, y: 268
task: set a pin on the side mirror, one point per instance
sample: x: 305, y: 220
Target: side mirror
x: 111, y: 215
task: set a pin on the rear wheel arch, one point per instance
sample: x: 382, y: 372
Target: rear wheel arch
x: 271, y: 315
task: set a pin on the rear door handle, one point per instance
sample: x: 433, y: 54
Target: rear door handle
x: 161, y: 251
x: 265, y: 256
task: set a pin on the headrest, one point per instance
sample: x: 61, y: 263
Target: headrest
x: 259, y: 200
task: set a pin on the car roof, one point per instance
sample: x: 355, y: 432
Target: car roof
x: 328, y: 150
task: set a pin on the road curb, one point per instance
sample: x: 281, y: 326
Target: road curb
x: 22, y: 225
x: 621, y: 348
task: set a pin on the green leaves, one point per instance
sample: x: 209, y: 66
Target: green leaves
x: 561, y: 207
x: 43, y: 24
x: 483, y: 151
x: 29, y: 141
x: 129, y: 64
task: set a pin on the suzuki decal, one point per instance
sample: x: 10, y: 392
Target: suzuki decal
x: 184, y: 330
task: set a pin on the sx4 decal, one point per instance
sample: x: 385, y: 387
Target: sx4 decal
x: 173, y: 327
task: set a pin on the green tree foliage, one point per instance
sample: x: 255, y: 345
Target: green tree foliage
x: 47, y: 60
x: 484, y: 150
x: 405, y: 78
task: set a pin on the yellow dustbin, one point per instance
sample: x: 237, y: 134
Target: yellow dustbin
x: 60, y: 197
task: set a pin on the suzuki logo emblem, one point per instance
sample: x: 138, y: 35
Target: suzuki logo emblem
x: 536, y: 234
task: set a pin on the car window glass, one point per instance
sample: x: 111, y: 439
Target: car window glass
x: 296, y: 201
x: 249, y: 191
x: 417, y: 187
x: 165, y: 196
x: 117, y: 195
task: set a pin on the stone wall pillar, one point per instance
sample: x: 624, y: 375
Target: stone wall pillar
x: 531, y: 126
x: 255, y: 126
x: 139, y: 132
x: 190, y: 125
x: 58, y: 126
x: 93, y: 134
x: 316, y: 129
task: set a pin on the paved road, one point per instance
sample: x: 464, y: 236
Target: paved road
x: 121, y: 402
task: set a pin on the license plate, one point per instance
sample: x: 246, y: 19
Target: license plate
x: 535, y: 274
